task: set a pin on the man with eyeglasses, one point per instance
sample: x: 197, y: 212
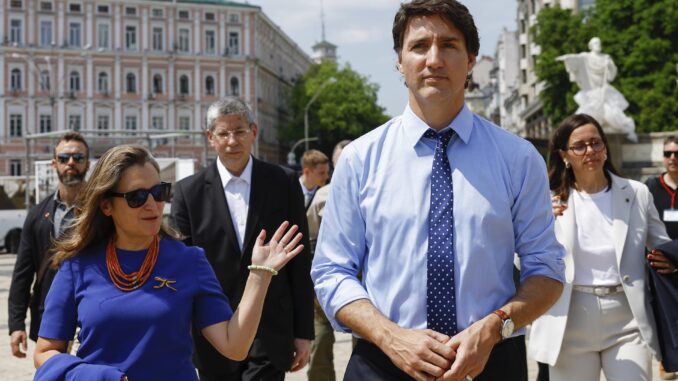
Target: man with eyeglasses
x: 221, y: 209
x: 663, y: 189
x: 45, y: 222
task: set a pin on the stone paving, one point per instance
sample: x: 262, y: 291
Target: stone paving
x: 13, y: 369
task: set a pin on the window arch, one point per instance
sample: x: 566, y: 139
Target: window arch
x: 157, y: 84
x: 183, y: 85
x: 131, y: 83
x: 102, y: 82
x: 235, y: 86
x: 15, y: 80
x: 209, y: 85
x: 74, y: 81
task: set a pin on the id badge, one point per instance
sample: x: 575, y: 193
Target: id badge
x: 671, y: 215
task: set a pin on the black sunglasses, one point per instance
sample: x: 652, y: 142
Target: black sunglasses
x: 63, y: 158
x: 138, y: 197
x: 667, y: 154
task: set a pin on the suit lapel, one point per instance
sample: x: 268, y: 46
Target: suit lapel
x: 220, y: 210
x: 622, y: 199
x: 256, y: 203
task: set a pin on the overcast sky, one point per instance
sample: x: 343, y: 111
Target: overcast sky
x: 362, y: 31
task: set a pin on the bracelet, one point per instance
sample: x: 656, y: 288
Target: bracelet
x: 263, y: 268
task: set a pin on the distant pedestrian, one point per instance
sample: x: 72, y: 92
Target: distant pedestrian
x: 135, y: 290
x: 315, y: 170
x: 45, y: 222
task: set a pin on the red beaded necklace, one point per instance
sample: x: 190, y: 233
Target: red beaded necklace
x: 132, y: 281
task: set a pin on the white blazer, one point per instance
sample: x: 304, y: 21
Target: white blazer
x: 636, y: 225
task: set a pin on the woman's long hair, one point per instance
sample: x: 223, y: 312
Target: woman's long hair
x: 561, y: 178
x: 90, y: 225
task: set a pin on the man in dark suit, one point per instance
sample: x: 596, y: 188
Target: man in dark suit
x: 221, y: 209
x: 44, y: 223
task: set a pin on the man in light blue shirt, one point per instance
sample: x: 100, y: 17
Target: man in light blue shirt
x: 376, y: 221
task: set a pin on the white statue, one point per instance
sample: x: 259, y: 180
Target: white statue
x: 593, y: 71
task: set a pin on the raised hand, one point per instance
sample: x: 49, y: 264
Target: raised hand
x: 283, y: 246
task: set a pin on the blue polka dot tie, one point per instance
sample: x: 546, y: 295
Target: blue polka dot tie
x: 441, y: 310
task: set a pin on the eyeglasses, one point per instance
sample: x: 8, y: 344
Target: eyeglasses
x: 668, y: 154
x: 64, y: 158
x: 579, y: 149
x: 138, y: 197
x: 237, y: 134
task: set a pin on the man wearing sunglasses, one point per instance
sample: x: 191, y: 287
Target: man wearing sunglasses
x: 45, y: 222
x: 663, y: 189
x: 221, y: 209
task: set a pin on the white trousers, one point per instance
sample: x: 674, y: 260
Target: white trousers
x: 601, y: 334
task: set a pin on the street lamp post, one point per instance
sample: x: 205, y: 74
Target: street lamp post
x: 308, y: 105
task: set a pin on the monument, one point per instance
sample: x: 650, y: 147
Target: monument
x: 593, y: 71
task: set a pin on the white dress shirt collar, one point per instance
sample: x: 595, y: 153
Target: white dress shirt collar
x: 227, y: 176
x: 462, y: 124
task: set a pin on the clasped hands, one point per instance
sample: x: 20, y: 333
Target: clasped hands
x: 427, y: 355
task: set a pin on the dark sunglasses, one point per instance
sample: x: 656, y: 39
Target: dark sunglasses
x: 667, y: 154
x: 138, y: 197
x: 63, y: 158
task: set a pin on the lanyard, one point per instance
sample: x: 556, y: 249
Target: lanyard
x: 671, y: 193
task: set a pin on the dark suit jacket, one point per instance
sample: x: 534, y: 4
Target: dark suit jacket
x: 200, y: 212
x: 665, y: 304
x: 36, y: 240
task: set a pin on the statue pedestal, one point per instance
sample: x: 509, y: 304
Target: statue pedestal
x: 615, y: 142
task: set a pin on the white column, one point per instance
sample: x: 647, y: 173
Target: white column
x: 144, y: 80
x: 223, y: 41
x: 249, y: 24
x: 197, y: 82
x: 30, y: 23
x: 171, y: 12
x: 222, y: 90
x: 117, y: 26
x: 197, y: 33
x: 2, y: 30
x: 116, y: 78
x: 60, y: 22
x: 90, y: 122
x: 62, y: 81
x: 89, y: 26
x: 144, y: 30
x: 245, y: 83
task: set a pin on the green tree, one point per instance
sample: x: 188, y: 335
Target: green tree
x: 641, y: 36
x: 344, y: 109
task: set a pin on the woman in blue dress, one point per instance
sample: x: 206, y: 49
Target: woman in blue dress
x: 134, y: 289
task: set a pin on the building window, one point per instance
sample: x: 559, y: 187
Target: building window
x: 44, y: 80
x: 183, y: 85
x: 131, y: 37
x: 131, y: 83
x: 46, y: 33
x: 46, y: 6
x: 209, y: 42
x: 235, y: 87
x: 103, y: 35
x: 234, y: 43
x: 102, y: 9
x: 15, y: 123
x: 15, y: 167
x: 157, y: 39
x: 234, y: 17
x: 15, y: 4
x: 209, y: 85
x: 209, y: 16
x: 74, y: 8
x: 183, y: 40
x: 130, y: 11
x: 184, y: 15
x: 157, y: 123
x: 185, y: 123
x: 102, y: 83
x: 102, y: 123
x: 74, y: 81
x: 74, y: 38
x: 157, y: 12
x: 15, y: 80
x: 45, y: 123
x: 15, y: 31
x: 74, y: 122
x: 523, y: 76
x: 157, y: 84
x: 130, y: 123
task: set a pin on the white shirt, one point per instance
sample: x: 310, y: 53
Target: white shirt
x: 308, y: 193
x: 237, y: 191
x: 595, y: 261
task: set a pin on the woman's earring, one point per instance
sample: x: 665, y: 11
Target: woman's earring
x: 605, y: 157
x: 567, y: 163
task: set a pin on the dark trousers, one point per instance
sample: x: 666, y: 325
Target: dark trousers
x: 507, y: 363
x: 252, y: 369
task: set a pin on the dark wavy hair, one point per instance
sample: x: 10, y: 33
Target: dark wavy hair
x: 561, y: 178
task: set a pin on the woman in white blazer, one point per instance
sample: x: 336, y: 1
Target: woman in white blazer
x: 603, y: 319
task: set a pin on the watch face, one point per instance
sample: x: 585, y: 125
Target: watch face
x: 507, y: 328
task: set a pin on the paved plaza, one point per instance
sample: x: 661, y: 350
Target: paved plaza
x: 12, y: 369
